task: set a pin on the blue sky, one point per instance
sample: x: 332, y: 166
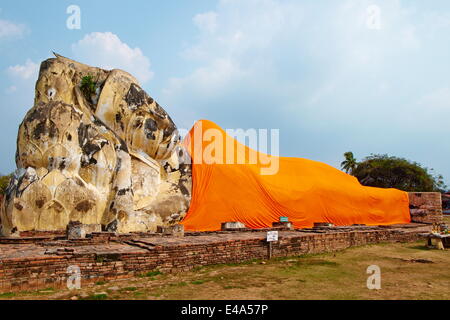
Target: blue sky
x: 333, y: 76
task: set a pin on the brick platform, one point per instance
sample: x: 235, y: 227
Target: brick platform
x: 36, y: 263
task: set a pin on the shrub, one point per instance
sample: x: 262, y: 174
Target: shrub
x: 4, y: 182
x: 87, y: 86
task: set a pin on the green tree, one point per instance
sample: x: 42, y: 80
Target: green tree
x: 350, y: 163
x: 384, y: 171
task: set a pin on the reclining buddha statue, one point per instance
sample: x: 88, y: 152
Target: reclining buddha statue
x: 96, y: 149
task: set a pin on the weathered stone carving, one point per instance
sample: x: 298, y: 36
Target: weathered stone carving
x: 109, y: 156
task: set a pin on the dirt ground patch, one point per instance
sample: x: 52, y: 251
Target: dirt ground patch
x: 408, y: 271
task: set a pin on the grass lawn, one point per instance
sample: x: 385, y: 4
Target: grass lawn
x: 408, y: 271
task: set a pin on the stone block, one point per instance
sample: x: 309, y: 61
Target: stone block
x: 285, y: 225
x: 91, y: 228
x: 425, y: 207
x: 176, y: 230
x: 232, y: 226
x: 322, y: 224
x: 77, y: 230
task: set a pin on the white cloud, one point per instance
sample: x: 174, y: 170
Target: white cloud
x: 23, y: 77
x: 26, y: 71
x: 228, y: 40
x: 10, y: 29
x: 106, y: 50
x: 206, y: 21
x: 208, y: 80
x: 11, y: 89
x: 438, y: 100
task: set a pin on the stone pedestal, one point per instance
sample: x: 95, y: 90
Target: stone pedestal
x: 232, y: 226
x: 176, y: 230
x: 285, y: 225
x: 77, y: 230
x: 323, y: 224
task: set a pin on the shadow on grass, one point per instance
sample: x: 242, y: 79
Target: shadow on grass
x: 420, y: 247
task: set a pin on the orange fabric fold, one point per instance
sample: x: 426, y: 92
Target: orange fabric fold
x: 230, y: 185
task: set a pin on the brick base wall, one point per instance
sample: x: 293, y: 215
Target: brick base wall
x: 29, y: 266
x: 425, y: 207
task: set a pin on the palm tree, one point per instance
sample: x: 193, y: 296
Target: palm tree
x: 350, y: 163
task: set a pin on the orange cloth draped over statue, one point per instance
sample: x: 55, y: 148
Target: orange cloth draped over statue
x: 259, y: 192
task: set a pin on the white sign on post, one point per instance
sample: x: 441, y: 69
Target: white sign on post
x: 272, y: 236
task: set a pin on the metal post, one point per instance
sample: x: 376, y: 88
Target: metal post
x: 270, y: 250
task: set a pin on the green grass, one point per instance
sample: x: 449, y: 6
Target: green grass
x: 178, y: 284
x: 100, y: 296
x: 128, y: 289
x: 139, y: 294
x: 233, y: 287
x: 150, y: 274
